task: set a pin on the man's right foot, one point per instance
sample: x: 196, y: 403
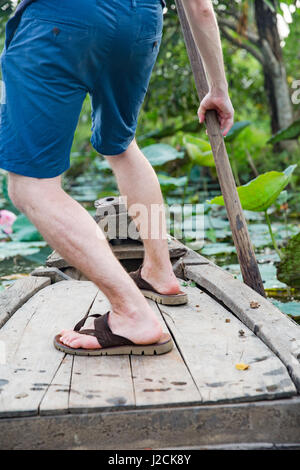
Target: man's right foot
x: 161, y: 287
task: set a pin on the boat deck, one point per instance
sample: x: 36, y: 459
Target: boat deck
x: 194, y: 396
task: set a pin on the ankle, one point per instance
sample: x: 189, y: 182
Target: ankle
x: 157, y: 270
x: 132, y: 312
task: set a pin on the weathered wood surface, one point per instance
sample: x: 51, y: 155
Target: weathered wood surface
x: 163, y: 380
x: 54, y: 274
x: 56, y: 397
x: 39, y: 379
x: 273, y: 327
x: 12, y: 298
x: 100, y: 382
x: 31, y: 359
x: 267, y: 422
x: 212, y: 341
x: 123, y: 251
x: 97, y: 383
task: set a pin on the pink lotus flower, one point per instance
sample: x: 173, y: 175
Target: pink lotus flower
x: 7, y: 219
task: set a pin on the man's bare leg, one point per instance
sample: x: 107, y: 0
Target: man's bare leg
x: 69, y: 229
x: 137, y: 180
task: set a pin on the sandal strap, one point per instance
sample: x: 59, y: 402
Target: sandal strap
x: 106, y: 338
x: 81, y: 322
x: 140, y: 282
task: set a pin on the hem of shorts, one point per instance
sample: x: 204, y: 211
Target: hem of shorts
x: 32, y: 173
x: 112, y: 151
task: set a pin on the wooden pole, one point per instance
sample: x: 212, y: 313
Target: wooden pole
x: 240, y: 234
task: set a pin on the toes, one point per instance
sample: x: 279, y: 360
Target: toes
x: 68, y: 337
x: 76, y: 340
x: 75, y: 343
x: 89, y: 342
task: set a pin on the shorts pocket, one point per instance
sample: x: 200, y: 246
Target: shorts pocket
x: 60, y: 26
x: 142, y: 60
x: 150, y: 20
x: 148, y: 47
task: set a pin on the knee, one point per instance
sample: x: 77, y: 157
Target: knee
x: 19, y: 191
x: 15, y: 192
x: 132, y: 147
x: 28, y: 193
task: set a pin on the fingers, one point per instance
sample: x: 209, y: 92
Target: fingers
x: 204, y: 106
x: 227, y: 124
x: 224, y: 109
x: 201, y: 113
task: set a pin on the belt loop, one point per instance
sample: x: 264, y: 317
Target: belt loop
x: 133, y: 4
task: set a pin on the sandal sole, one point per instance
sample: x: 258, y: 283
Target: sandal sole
x: 177, y: 299
x: 132, y: 350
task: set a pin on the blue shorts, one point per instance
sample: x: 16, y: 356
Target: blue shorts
x: 57, y: 53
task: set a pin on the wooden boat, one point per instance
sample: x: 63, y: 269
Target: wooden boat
x: 196, y: 396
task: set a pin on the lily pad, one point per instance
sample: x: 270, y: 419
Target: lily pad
x: 10, y: 249
x: 259, y: 194
x: 159, y: 154
x: 217, y: 249
x: 24, y: 230
x: 168, y: 182
x: 199, y: 151
x: 292, y: 309
x: 267, y: 272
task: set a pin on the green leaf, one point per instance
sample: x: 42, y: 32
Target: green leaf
x: 24, y: 230
x: 260, y: 193
x: 199, y: 151
x: 236, y: 130
x: 159, y: 154
x: 290, y: 132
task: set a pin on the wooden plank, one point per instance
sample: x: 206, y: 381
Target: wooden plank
x: 123, y: 251
x: 163, y: 380
x: 56, y: 398
x: 136, y: 251
x: 275, y: 422
x: 190, y: 256
x: 32, y: 360
x: 55, y: 274
x: 209, y: 339
x: 102, y: 382
x: 273, y: 327
x: 12, y: 298
x: 106, y: 382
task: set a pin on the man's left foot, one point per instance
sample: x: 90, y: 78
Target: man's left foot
x: 140, y: 328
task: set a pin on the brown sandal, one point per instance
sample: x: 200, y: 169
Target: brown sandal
x: 113, y: 344
x: 149, y: 291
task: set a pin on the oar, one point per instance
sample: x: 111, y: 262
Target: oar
x: 240, y: 234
